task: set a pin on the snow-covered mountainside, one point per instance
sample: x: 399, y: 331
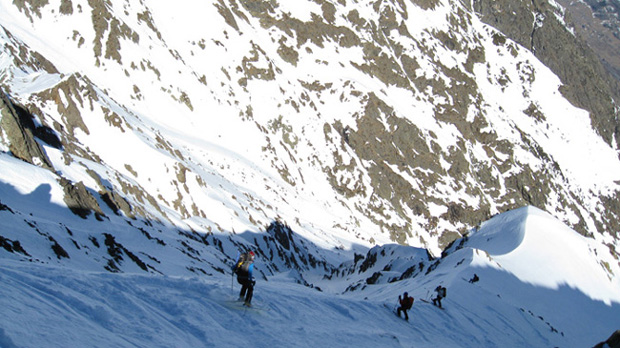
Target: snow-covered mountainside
x: 539, y: 286
x: 358, y: 147
x: 367, y: 122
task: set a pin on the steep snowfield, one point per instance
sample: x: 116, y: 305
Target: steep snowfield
x: 181, y: 92
x: 561, y: 257
x: 549, y: 267
x: 524, y: 298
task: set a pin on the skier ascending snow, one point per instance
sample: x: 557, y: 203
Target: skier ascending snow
x: 441, y: 293
x: 244, y: 268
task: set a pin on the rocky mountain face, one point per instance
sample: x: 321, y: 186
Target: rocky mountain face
x: 598, y: 23
x: 542, y: 29
x: 344, y: 121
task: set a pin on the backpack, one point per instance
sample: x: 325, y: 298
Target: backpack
x: 406, y: 303
x: 410, y: 302
x: 443, y: 291
x: 239, y: 263
x: 242, y: 267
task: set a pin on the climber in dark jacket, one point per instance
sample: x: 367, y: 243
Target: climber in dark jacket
x: 244, y: 268
x: 405, y: 304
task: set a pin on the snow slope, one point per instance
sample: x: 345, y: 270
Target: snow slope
x: 514, y: 304
x: 212, y: 122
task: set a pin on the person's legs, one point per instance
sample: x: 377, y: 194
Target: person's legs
x: 248, y: 297
x: 244, y: 288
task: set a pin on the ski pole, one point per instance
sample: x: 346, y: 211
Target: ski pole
x: 232, y: 275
